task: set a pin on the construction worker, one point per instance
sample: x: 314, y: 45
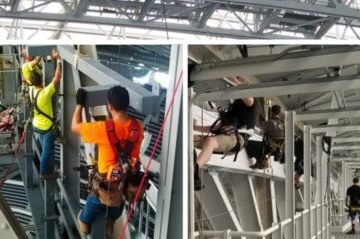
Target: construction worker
x: 109, y: 196
x: 241, y: 113
x: 273, y: 132
x: 44, y: 116
x: 352, y: 201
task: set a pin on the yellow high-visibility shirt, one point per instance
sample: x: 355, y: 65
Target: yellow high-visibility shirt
x: 27, y: 70
x: 44, y: 103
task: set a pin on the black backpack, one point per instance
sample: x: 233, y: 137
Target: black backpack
x: 228, y: 126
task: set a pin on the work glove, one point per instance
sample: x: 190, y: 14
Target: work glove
x: 80, y: 96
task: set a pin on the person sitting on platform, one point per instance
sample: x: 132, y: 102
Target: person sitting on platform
x: 352, y: 201
x: 44, y: 116
x: 273, y: 132
x: 97, y: 133
x: 226, y: 139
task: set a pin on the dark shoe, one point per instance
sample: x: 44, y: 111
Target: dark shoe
x: 351, y: 232
x: 84, y: 228
x: 53, y: 174
x: 258, y: 165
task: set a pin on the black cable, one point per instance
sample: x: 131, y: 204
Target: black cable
x: 164, y: 12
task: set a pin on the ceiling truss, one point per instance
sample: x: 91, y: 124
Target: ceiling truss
x: 261, y: 19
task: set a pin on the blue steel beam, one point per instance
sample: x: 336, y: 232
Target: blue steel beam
x: 39, y: 50
x: 140, y: 99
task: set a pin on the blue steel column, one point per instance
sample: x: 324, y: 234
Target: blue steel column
x: 289, y: 171
x: 307, y: 187
x: 29, y: 156
x: 71, y: 147
x: 50, y: 217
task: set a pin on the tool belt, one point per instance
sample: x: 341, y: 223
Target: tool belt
x: 109, y: 193
x: 113, y: 194
x: 132, y: 183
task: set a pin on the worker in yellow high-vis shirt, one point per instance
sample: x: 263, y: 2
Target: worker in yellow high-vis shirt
x: 44, y: 116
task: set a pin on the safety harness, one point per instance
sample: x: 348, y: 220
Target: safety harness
x: 228, y: 127
x: 112, y: 187
x: 122, y: 148
x: 36, y: 107
x: 275, y: 145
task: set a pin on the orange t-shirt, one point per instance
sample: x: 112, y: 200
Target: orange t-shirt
x: 95, y: 132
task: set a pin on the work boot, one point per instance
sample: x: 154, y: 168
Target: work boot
x: 109, y: 228
x: 197, y: 180
x: 258, y: 165
x: 84, y: 228
x: 351, y: 232
x: 266, y: 163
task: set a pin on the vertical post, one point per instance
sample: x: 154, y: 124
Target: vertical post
x: 323, y: 191
x: 343, y: 190
x: 191, y: 196
x: 70, y: 157
x: 319, y: 196
x: 289, y: 170
x: 50, y: 217
x: 169, y: 194
x: 273, y: 201
x: 307, y: 186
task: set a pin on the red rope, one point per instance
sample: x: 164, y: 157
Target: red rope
x: 21, y: 141
x: 122, y: 234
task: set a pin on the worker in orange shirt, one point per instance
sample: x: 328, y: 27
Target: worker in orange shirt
x: 106, y: 190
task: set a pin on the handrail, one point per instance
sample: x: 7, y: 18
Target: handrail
x: 263, y: 233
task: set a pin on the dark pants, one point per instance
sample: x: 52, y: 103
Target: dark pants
x: 47, y: 142
x: 353, y: 212
x: 255, y: 149
x: 93, y: 207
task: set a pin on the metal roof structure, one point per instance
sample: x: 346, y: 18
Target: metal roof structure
x: 180, y: 19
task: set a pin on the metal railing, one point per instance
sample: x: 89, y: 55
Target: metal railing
x: 275, y: 230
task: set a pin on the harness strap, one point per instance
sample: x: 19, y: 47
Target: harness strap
x: 38, y: 109
x: 122, y: 148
